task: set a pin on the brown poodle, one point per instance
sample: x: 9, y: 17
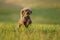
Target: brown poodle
x: 25, y: 17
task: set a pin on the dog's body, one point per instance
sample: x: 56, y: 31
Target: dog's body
x: 25, y: 17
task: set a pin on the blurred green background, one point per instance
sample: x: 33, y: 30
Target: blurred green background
x: 44, y: 11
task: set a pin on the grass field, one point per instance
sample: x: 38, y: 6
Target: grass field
x: 45, y: 20
x: 9, y: 31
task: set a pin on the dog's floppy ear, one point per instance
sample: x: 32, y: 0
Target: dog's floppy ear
x: 22, y: 12
x: 31, y: 11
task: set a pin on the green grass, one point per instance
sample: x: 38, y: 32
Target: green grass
x: 46, y: 15
x: 9, y: 31
x: 45, y: 21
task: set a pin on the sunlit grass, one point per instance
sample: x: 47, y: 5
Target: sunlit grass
x: 9, y: 31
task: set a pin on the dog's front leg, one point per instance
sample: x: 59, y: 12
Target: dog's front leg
x: 19, y: 25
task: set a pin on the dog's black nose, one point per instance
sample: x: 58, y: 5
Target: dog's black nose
x: 28, y: 13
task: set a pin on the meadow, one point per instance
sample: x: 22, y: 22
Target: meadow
x: 45, y: 26
x: 10, y: 31
x: 45, y: 20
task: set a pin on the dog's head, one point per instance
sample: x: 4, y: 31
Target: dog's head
x: 26, y: 11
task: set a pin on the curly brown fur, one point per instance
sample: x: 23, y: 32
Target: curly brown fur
x: 25, y: 17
